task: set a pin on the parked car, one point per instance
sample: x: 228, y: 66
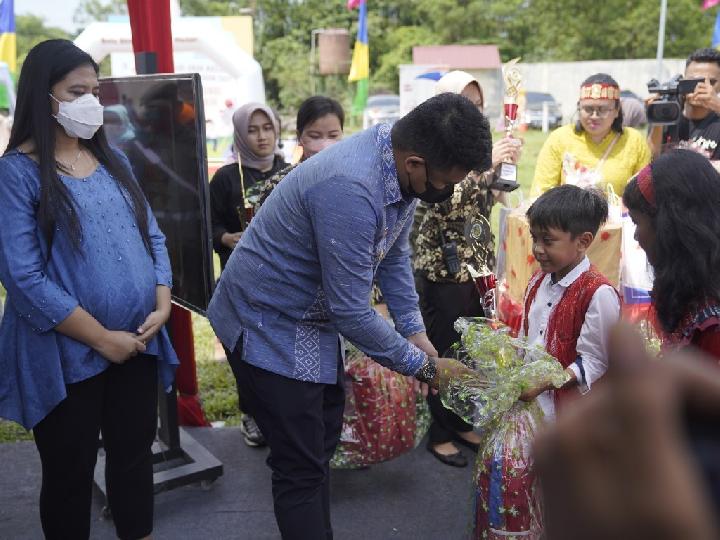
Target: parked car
x: 381, y: 108
x: 534, y: 110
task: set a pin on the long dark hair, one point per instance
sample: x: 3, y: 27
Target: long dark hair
x: 687, y: 233
x: 604, y: 78
x: 46, y: 64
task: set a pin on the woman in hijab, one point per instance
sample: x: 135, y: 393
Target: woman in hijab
x: 255, y: 149
x: 257, y: 156
x: 447, y: 291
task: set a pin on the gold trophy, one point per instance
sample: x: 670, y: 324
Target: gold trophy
x: 505, y: 175
x: 478, y: 235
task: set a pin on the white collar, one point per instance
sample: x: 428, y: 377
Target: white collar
x: 582, y: 267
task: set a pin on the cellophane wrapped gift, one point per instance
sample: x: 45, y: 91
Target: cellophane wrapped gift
x: 506, y: 498
x: 384, y: 416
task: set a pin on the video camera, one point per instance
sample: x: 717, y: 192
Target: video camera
x: 667, y: 109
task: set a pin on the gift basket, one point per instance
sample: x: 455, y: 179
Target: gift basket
x: 506, y: 498
x: 384, y: 416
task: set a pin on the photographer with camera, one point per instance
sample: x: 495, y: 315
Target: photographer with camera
x: 684, y: 113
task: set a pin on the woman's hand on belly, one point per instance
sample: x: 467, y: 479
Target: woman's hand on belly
x: 156, y: 319
x: 117, y: 346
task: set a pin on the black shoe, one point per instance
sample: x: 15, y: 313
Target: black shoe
x: 251, y: 432
x: 467, y: 444
x: 454, y: 460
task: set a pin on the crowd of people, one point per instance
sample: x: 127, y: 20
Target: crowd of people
x: 302, y: 247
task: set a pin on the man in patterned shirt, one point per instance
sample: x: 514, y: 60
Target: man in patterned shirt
x: 446, y: 289
x: 301, y: 277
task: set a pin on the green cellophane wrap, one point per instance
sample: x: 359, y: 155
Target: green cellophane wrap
x: 506, y: 497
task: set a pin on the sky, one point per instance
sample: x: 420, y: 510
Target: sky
x: 50, y: 11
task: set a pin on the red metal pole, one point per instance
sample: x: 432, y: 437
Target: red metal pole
x: 152, y: 33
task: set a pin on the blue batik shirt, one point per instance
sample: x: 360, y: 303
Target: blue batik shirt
x: 111, y: 276
x: 303, y: 271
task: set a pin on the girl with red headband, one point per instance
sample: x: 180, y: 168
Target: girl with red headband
x: 597, y: 150
x: 674, y: 203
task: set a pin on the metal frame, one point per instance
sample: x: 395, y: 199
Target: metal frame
x: 178, y: 459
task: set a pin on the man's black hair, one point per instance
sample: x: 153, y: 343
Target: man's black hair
x: 448, y: 131
x: 704, y: 56
x: 570, y: 209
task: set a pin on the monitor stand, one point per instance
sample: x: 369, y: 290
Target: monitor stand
x: 178, y: 459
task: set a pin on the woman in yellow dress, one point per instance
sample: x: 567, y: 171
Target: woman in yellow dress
x: 597, y: 150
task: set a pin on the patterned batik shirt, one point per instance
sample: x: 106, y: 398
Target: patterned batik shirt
x: 303, y: 270
x: 448, y: 220
x: 267, y: 187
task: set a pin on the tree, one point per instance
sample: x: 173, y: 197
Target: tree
x: 615, y: 29
x: 98, y: 10
x: 536, y: 30
x: 403, y: 39
x: 31, y: 30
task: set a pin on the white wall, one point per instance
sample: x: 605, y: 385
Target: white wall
x: 563, y: 79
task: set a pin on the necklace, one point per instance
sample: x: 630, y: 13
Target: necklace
x: 69, y: 166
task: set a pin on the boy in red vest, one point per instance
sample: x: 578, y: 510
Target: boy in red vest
x: 569, y: 305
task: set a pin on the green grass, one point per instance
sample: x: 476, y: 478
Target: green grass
x: 215, y: 379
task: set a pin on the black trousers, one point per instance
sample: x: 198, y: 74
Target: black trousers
x: 301, y: 422
x: 122, y: 403
x: 441, y: 305
x: 234, y: 362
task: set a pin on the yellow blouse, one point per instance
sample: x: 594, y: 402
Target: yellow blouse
x: 570, y: 157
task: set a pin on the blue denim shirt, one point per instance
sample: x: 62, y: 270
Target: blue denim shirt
x: 112, y: 277
x: 302, y: 273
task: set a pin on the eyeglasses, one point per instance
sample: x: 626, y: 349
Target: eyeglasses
x: 602, y: 112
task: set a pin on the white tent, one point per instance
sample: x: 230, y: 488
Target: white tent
x: 189, y: 35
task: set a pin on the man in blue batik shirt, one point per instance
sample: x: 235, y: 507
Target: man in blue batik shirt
x: 301, y: 277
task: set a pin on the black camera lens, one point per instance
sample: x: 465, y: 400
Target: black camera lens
x: 663, y: 112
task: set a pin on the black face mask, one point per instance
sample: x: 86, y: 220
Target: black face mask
x: 431, y: 194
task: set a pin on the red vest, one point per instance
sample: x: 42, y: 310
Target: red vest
x: 566, y: 321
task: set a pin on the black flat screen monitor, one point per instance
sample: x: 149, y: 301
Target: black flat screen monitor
x: 158, y: 122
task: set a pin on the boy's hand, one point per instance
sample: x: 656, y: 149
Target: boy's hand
x: 532, y: 393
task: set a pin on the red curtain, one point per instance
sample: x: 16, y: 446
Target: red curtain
x: 152, y: 32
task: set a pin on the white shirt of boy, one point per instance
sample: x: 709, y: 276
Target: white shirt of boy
x: 592, y: 345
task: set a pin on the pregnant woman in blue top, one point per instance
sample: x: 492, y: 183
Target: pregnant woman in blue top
x: 82, y: 341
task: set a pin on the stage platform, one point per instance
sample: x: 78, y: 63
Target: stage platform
x: 412, y: 497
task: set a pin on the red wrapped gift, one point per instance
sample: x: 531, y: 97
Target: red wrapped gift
x: 381, y: 419
x: 507, y: 500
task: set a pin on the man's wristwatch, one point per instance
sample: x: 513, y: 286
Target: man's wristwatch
x: 428, y: 371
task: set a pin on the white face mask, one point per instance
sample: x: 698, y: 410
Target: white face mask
x: 81, y: 117
x: 313, y: 146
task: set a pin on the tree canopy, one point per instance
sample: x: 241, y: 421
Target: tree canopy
x: 536, y: 30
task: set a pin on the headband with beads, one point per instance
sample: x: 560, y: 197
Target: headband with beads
x: 599, y: 91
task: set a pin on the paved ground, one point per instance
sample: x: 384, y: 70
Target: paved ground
x: 412, y: 497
